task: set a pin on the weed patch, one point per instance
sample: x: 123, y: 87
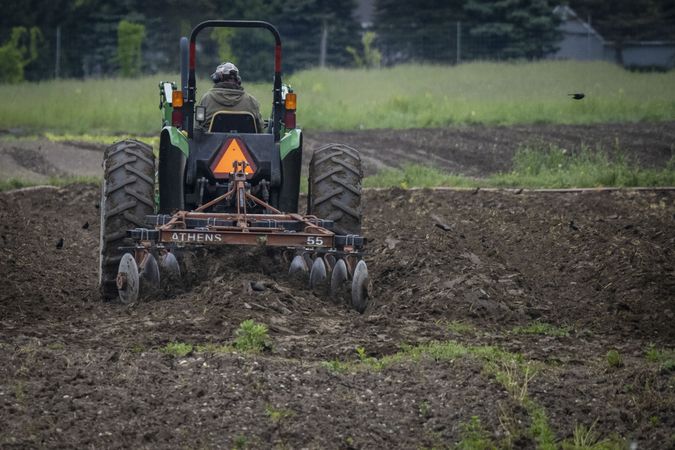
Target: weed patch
x: 665, y: 358
x: 475, y: 436
x: 177, y: 349
x: 542, y: 328
x: 277, y: 415
x: 537, y: 167
x: 460, y: 327
x: 614, y: 359
x: 16, y: 183
x: 252, y: 337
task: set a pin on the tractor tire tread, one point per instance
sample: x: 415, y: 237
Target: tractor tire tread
x: 334, y: 191
x: 127, y: 197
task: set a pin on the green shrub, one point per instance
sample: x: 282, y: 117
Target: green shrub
x: 129, y: 40
x: 177, y: 349
x: 614, y: 359
x: 251, y: 337
x: 20, y: 50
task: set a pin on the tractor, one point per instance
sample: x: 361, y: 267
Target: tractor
x: 228, y: 183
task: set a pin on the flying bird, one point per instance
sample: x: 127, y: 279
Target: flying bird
x: 577, y: 95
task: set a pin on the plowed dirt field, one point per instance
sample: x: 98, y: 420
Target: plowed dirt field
x: 462, y: 282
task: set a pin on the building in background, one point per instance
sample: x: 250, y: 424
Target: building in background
x: 580, y: 41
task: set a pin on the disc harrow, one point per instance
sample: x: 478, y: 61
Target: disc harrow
x: 332, y: 264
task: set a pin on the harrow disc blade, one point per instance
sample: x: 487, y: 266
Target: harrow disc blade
x: 360, y: 287
x: 169, y: 265
x: 330, y: 261
x: 298, y: 266
x: 338, y: 280
x: 150, y: 271
x: 127, y: 279
x: 317, y: 276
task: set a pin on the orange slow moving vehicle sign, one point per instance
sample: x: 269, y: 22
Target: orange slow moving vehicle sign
x: 232, y: 150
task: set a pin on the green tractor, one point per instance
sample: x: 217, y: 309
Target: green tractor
x: 228, y: 183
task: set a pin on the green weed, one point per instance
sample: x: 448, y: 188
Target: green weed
x: 177, y: 349
x: 240, y: 442
x: 252, y: 337
x: 335, y: 366
x: 213, y: 348
x: 136, y: 349
x: 586, y: 438
x: 542, y: 328
x: 20, y: 391
x: 460, y: 327
x: 424, y: 409
x: 664, y: 357
x: 415, y: 175
x: 14, y: 183
x: 555, y: 167
x: 277, y: 415
x: 537, y: 167
x: 540, y: 428
x: 614, y: 359
x: 475, y: 436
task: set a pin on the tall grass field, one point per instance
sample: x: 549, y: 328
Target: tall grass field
x: 405, y: 96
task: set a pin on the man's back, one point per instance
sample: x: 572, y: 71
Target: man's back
x: 229, y: 96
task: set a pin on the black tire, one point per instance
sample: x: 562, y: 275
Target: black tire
x: 127, y: 196
x: 334, y: 189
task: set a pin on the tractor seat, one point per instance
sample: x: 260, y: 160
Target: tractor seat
x: 233, y: 122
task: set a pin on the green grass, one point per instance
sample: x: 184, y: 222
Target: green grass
x: 538, y: 167
x: 16, y: 183
x: 460, y: 327
x: 542, y: 328
x: 177, y: 349
x: 555, y: 167
x: 664, y: 357
x: 405, y: 96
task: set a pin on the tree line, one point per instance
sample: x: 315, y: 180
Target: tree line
x: 105, y: 37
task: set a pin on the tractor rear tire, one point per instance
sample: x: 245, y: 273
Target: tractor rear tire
x: 334, y: 190
x: 127, y: 196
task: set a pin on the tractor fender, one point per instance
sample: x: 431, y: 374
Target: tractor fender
x: 173, y: 152
x: 176, y: 138
x: 291, y: 163
x: 291, y: 140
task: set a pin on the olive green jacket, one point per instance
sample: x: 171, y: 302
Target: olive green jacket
x: 227, y: 96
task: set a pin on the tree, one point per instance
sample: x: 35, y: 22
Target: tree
x: 20, y: 50
x: 129, y: 39
x: 512, y: 28
x: 421, y: 30
x: 371, y: 58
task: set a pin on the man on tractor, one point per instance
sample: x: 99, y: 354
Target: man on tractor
x: 227, y: 94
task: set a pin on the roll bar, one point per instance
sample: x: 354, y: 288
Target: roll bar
x: 192, y: 82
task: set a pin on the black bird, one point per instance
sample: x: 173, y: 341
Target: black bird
x: 85, y: 226
x: 577, y: 96
x: 59, y: 244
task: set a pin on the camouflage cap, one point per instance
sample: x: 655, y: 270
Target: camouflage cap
x: 226, y: 70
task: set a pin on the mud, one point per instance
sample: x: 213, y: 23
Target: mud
x: 475, y: 151
x: 75, y: 372
x: 468, y: 267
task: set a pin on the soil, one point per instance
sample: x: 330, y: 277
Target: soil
x: 76, y: 372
